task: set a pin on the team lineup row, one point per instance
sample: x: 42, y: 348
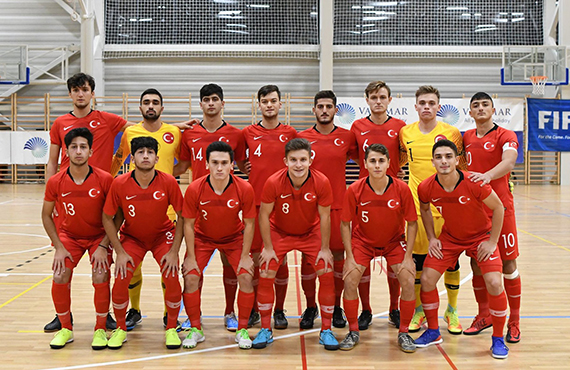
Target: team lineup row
x: 276, y: 225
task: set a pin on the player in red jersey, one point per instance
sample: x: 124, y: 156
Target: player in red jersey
x: 142, y: 197
x: 192, y: 154
x: 80, y: 191
x: 491, y: 155
x: 265, y: 143
x: 331, y: 147
x: 380, y: 128
x: 379, y: 199
x: 468, y: 229
x: 212, y: 208
x: 295, y: 214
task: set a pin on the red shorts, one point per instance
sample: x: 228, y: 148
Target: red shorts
x: 452, y: 251
x: 203, y: 251
x: 336, y: 239
x: 77, y: 248
x: 257, y: 242
x: 137, y: 249
x: 393, y: 252
x: 308, y: 244
x: 508, y: 241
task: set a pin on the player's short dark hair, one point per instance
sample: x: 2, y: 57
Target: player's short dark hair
x: 325, y: 94
x: 297, y: 144
x: 144, y: 142
x: 427, y: 89
x: 375, y: 86
x: 219, y: 146
x: 481, y: 96
x: 378, y: 148
x: 445, y: 143
x: 79, y: 132
x: 151, y: 92
x: 211, y: 89
x: 268, y: 89
x: 78, y: 80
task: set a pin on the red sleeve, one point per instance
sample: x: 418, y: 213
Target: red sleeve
x: 54, y: 136
x: 51, y: 190
x: 269, y: 192
x: 349, y: 206
x: 353, y: 148
x: 248, y: 201
x: 423, y: 195
x: 184, y: 150
x: 408, y: 205
x: 112, y: 203
x: 509, y: 139
x: 482, y: 192
x: 324, y: 194
x: 175, y: 195
x: 239, y: 154
x: 106, y: 184
x: 190, y: 207
x: 116, y: 123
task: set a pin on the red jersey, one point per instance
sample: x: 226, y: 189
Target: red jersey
x: 367, y: 210
x: 296, y: 212
x: 266, y: 151
x: 218, y: 216
x: 485, y: 153
x: 330, y: 153
x: 367, y: 132
x: 82, y: 205
x: 144, y: 209
x: 463, y: 209
x: 104, y: 127
x: 196, y: 139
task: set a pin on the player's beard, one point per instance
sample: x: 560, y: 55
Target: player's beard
x: 326, y: 121
x: 151, y: 118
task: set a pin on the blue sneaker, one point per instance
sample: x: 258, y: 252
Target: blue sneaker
x: 328, y: 339
x: 230, y: 321
x: 186, y: 325
x: 499, y: 349
x: 263, y: 338
x: 429, y: 337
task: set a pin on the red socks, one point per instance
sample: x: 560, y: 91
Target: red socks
x: 430, y: 302
x: 192, y: 302
x: 61, y: 297
x: 101, y: 300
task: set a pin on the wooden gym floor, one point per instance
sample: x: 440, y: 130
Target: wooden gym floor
x: 26, y: 306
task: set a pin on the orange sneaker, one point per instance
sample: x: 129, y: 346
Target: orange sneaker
x: 479, y: 324
x: 513, y: 332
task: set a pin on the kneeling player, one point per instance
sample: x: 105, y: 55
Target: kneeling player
x: 375, y: 200
x: 468, y: 229
x: 80, y: 192
x: 142, y: 196
x: 295, y: 214
x: 212, y: 207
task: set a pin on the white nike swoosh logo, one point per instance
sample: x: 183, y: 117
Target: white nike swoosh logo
x: 257, y: 137
x: 363, y: 204
x: 493, y: 258
x: 65, y: 194
x: 285, y: 196
x: 129, y: 198
x: 509, y: 253
x: 169, y: 242
x: 67, y: 128
x: 202, y: 203
x: 364, y: 132
x: 467, y: 146
x: 435, y: 200
x: 312, y: 142
x: 194, y: 140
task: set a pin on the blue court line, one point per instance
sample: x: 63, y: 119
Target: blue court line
x: 386, y: 317
x: 551, y: 211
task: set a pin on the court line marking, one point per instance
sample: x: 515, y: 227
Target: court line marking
x: 24, y: 292
x: 544, y: 240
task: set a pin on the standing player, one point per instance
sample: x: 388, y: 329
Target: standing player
x: 142, y: 196
x: 212, y: 208
x: 380, y: 128
x: 331, y: 147
x: 378, y: 199
x: 295, y: 214
x: 491, y: 155
x: 168, y: 137
x: 416, y: 142
x: 265, y: 143
x: 80, y: 192
x: 468, y: 229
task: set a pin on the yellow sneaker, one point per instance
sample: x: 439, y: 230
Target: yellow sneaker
x: 99, y: 340
x: 417, y: 321
x: 117, y: 339
x: 61, y: 338
x: 453, y: 324
x: 172, y: 339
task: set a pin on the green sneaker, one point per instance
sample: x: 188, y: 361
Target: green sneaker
x: 194, y: 337
x: 117, y: 339
x: 453, y: 324
x: 99, y: 340
x: 61, y: 338
x: 242, y: 339
x: 417, y: 321
x: 172, y: 339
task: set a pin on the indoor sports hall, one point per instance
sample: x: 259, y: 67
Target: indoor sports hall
x: 516, y: 51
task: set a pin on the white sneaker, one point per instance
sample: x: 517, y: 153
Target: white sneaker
x: 242, y: 339
x: 194, y: 337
